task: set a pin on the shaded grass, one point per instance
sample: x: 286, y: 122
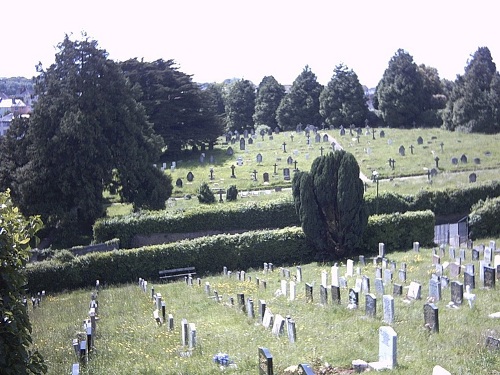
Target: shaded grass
x: 130, y: 342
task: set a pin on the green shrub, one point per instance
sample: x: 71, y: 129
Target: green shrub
x: 63, y: 256
x: 232, y: 193
x: 205, y: 194
x: 484, y: 219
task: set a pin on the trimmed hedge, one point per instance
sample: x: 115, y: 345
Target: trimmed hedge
x: 399, y: 231
x: 281, y: 213
x: 207, y: 254
x: 242, y: 216
x: 484, y: 219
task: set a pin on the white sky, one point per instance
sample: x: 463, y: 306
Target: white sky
x: 218, y: 39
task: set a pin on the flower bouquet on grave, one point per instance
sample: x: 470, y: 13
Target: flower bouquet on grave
x: 222, y: 359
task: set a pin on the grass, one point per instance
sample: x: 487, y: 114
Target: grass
x: 129, y: 341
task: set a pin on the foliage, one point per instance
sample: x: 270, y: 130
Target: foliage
x: 232, y: 193
x: 180, y: 111
x: 474, y: 102
x: 16, y: 356
x: 342, y: 101
x: 86, y: 132
x: 329, y: 202
x: 269, y: 95
x: 301, y: 104
x: 399, y: 231
x: 483, y: 219
x: 405, y: 93
x: 207, y: 254
x: 240, y: 105
x: 205, y: 194
x: 16, y: 86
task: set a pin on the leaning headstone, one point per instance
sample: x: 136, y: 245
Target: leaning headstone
x: 278, y: 326
x: 387, y: 352
x: 414, y: 291
x: 431, y: 318
x: 388, y: 305
x: 371, y: 305
x: 265, y: 362
x: 268, y: 319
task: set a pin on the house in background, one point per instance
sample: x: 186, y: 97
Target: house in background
x: 11, y: 108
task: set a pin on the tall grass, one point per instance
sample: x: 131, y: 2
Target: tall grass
x: 129, y: 341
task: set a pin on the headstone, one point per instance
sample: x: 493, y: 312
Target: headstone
x: 250, y: 141
x: 382, y: 134
x: 397, y: 290
x: 416, y: 246
x: 353, y: 299
x: 250, y: 310
x: 435, y: 289
x: 371, y: 305
x: 265, y: 362
x: 192, y: 336
x: 324, y: 277
x: 388, y: 302
x: 438, y: 370
x: 283, y: 287
x: 361, y: 260
x: 402, y: 275
x: 335, y: 275
x: 242, y: 144
x: 293, y: 291
x: 178, y: 183
x: 451, y: 252
x: 381, y: 249
x: 258, y: 158
x: 268, y: 319
x: 454, y: 161
x: 265, y: 177
x: 305, y: 369
x: 431, y: 317
x: 262, y: 310
x: 489, y: 277
x: 436, y: 259
x: 387, y: 276
x: 492, y: 343
x: 414, y: 291
x: 350, y: 267
x: 482, y: 264
x: 309, y: 293
x: 463, y: 159
x: 335, y: 294
x: 378, y: 273
x: 291, y: 330
x: 387, y: 352
x: 170, y: 322
x: 379, y: 286
x: 477, y: 161
x: 365, y: 284
x: 488, y: 254
x: 299, y: 274
x: 286, y: 174
x: 420, y: 141
x: 190, y: 176
x: 184, y: 332
x: 325, y: 137
x: 472, y: 177
x: 454, y: 269
x: 342, y: 282
x: 278, y: 326
x: 323, y: 294
x: 401, y: 150
x: 457, y: 292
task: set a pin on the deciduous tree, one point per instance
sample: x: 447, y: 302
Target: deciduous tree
x: 240, y: 105
x: 269, y: 96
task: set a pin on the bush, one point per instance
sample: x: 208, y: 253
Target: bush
x: 205, y: 194
x: 483, y: 219
x: 232, y: 193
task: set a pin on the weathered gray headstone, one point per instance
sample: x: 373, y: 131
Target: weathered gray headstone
x: 309, y: 293
x: 489, y: 277
x: 262, y: 310
x: 457, y: 292
x: 371, y: 305
x: 397, y: 290
x: 278, y: 325
x: 435, y: 289
x: 379, y: 286
x: 470, y: 280
x: 335, y: 294
x: 431, y: 317
x: 388, y: 306
x: 323, y: 294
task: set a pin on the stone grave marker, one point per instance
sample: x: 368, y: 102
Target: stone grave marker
x: 178, y: 183
x: 365, y: 284
x: 472, y: 177
x: 317, y: 138
x: 435, y: 289
x: 242, y: 144
x: 370, y: 305
x: 325, y: 137
x: 342, y: 282
x: 286, y: 174
x: 291, y: 330
x: 463, y: 159
x: 265, y: 177
x: 262, y: 310
x: 388, y: 306
x: 379, y: 286
x: 469, y: 280
x: 492, y: 343
x: 454, y: 161
x: 268, y: 320
x: 335, y: 275
x: 265, y: 362
x: 420, y: 141
x: 454, y: 269
x: 431, y: 317
x: 416, y: 246
x: 324, y: 277
x: 489, y: 277
x: 451, y: 253
x: 488, y: 254
x: 401, y: 150
x: 250, y: 141
x: 192, y: 336
x: 397, y: 290
x: 438, y: 370
x: 378, y: 273
x: 309, y: 293
x: 353, y: 299
x: 278, y: 325
x: 436, y: 259
x: 350, y: 268
x: 493, y: 246
x: 299, y: 274
x: 361, y: 260
x: 387, y: 276
x: 462, y: 255
x: 305, y: 369
x: 190, y: 176
x: 387, y: 349
x: 335, y: 294
x: 250, y: 308
x: 184, y: 332
x: 323, y: 294
x: 381, y: 249
x: 482, y: 264
x: 402, y: 275
x: 382, y: 134
x: 258, y: 158
x: 457, y: 293
x: 414, y: 291
x: 283, y: 288
x: 293, y: 291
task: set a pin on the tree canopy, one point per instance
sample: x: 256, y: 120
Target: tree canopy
x: 269, y: 96
x: 342, y: 101
x: 86, y: 133
x: 16, y: 355
x: 240, y: 105
x: 474, y: 102
x: 179, y: 110
x: 330, y: 205
x: 301, y: 104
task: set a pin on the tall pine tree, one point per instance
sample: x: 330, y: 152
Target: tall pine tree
x: 269, y: 96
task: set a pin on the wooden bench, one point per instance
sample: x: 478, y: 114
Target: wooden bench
x: 176, y: 272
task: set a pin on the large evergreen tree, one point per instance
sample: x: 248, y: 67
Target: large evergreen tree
x: 342, y: 101
x: 474, y: 102
x: 400, y: 92
x: 269, y: 96
x: 179, y: 110
x: 330, y: 205
x: 16, y: 354
x: 86, y: 132
x: 301, y: 104
x: 240, y: 105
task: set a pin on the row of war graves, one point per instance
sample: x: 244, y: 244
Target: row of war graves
x: 448, y: 262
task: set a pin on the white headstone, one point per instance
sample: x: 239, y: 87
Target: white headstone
x: 268, y: 318
x: 387, y: 349
x: 283, y: 287
x: 381, y: 249
x: 350, y: 267
x: 335, y: 275
x: 438, y: 370
x: 324, y: 278
x: 496, y: 261
x: 293, y: 291
x: 414, y: 291
x: 279, y: 323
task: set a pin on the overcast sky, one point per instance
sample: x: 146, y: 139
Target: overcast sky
x: 218, y: 39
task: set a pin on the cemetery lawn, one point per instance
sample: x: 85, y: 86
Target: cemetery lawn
x: 130, y: 342
x: 408, y: 176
